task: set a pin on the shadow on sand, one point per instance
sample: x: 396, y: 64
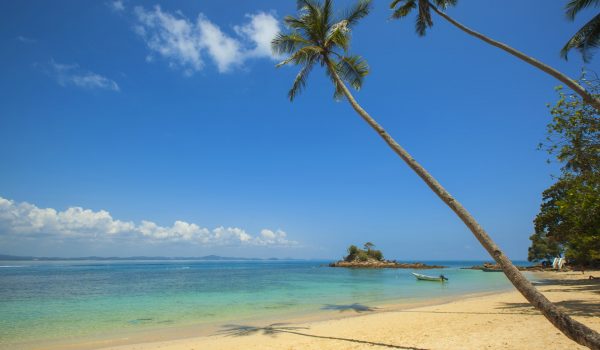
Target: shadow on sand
x: 575, y: 307
x: 278, y: 328
x: 350, y: 307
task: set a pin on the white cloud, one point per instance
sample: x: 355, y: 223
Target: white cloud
x: 261, y: 30
x: 117, y: 5
x: 269, y: 237
x: 72, y: 74
x: 27, y: 220
x: 26, y: 40
x: 173, y: 38
x: 224, y: 50
x: 184, y: 43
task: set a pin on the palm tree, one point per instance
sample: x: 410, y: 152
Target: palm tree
x: 588, y: 36
x: 403, y: 8
x: 315, y: 36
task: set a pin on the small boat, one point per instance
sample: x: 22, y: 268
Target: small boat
x: 440, y: 278
x: 489, y: 269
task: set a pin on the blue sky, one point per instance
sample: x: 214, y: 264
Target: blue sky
x: 151, y: 128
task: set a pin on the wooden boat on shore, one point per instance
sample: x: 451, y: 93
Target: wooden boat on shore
x: 489, y: 269
x: 440, y: 278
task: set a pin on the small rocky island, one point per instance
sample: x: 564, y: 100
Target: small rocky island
x: 373, y: 258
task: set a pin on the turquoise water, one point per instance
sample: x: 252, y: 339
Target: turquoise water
x: 41, y: 301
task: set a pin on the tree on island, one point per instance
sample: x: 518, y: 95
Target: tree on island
x: 403, y: 8
x: 357, y: 254
x: 316, y: 37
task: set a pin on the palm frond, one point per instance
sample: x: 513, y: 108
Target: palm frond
x: 338, y: 36
x: 394, y: 3
x: 444, y: 4
x: 357, y: 12
x: 304, y: 4
x: 352, y: 69
x: 574, y: 6
x: 586, y: 39
x: 421, y: 25
x: 303, y: 55
x: 327, y: 12
x: 424, y: 18
x: 294, y: 23
x: 288, y: 43
x: 314, y: 38
x: 300, y: 81
x: 403, y: 10
x: 312, y: 15
x: 338, y: 93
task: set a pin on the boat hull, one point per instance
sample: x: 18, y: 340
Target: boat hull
x: 428, y: 278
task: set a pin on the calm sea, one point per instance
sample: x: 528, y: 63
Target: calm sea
x: 45, y: 301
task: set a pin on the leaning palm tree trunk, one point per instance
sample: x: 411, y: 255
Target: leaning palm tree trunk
x: 571, y: 328
x: 587, y: 97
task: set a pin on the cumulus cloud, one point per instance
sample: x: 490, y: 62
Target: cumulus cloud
x: 184, y: 43
x: 27, y: 220
x: 261, y: 30
x: 116, y: 5
x: 72, y: 74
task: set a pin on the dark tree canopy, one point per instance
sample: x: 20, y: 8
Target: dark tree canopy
x: 569, y: 219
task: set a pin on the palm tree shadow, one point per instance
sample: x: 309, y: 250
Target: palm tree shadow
x: 350, y: 307
x: 571, y: 307
x: 583, y: 284
x: 277, y: 328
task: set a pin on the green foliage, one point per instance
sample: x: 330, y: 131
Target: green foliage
x: 376, y: 254
x: 362, y: 256
x: 588, y: 36
x: 354, y: 253
x: 402, y: 8
x: 569, y: 217
x: 574, y: 133
x: 316, y: 36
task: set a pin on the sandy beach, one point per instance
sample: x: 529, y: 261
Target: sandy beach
x: 497, y: 321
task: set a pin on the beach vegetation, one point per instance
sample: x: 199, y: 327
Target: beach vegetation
x: 569, y: 219
x: 319, y: 37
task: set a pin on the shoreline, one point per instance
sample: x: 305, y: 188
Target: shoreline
x: 132, y: 339
x: 498, y: 319
x: 326, y: 327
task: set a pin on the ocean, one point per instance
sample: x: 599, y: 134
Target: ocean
x: 65, y: 301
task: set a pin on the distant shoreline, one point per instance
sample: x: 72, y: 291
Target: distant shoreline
x: 4, y: 257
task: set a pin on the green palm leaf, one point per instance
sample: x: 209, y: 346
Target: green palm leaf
x: 352, y: 69
x: 288, y: 43
x: 300, y: 81
x: 357, y: 12
x: 338, y: 36
x: 574, y: 6
x: 314, y: 37
x: 586, y: 38
x: 402, y: 8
